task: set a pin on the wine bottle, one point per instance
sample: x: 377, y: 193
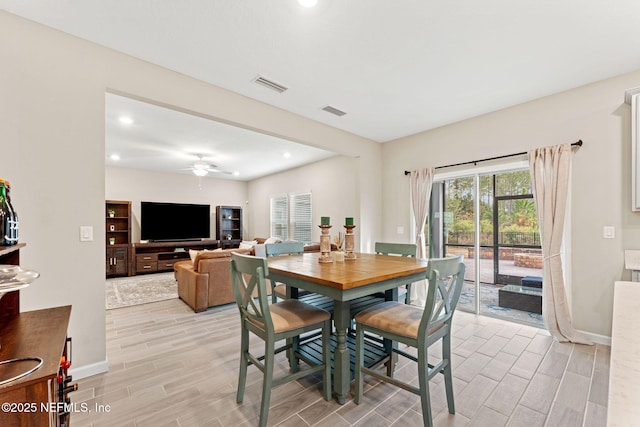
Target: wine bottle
x: 15, y: 229
x: 5, y: 215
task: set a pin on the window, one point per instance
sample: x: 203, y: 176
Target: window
x: 291, y: 216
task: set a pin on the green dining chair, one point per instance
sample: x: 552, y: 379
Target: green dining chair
x: 276, y: 249
x: 416, y: 327
x: 272, y: 323
x: 401, y: 249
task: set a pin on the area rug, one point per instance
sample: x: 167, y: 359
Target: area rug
x: 143, y: 289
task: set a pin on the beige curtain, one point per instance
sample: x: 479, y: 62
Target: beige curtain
x: 550, y: 168
x: 421, y: 181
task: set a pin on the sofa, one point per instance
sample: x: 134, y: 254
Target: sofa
x: 205, y: 281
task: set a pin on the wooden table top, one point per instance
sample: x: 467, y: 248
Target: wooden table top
x: 365, y: 270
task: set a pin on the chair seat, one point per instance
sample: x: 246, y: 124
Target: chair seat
x: 292, y: 314
x: 394, y: 317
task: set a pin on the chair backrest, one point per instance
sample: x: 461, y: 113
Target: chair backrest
x: 285, y: 248
x: 446, y: 277
x: 402, y: 249
x: 248, y: 275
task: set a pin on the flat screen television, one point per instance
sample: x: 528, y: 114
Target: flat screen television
x: 174, y: 221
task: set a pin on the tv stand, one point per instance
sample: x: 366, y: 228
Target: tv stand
x: 156, y: 257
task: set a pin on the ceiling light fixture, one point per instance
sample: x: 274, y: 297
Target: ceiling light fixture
x: 200, y: 168
x: 307, y: 3
x: 126, y: 120
x: 286, y: 155
x: 115, y: 157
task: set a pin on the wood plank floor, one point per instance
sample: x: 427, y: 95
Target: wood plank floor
x: 171, y: 367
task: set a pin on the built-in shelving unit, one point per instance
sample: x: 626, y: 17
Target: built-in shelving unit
x: 118, y: 237
x: 229, y: 226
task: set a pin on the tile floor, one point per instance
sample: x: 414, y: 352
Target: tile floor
x: 171, y: 367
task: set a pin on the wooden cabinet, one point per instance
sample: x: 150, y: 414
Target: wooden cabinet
x: 155, y: 257
x: 26, y: 339
x: 229, y: 226
x: 117, y: 260
x: 118, y: 237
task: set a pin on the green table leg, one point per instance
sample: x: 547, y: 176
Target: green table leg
x: 341, y: 359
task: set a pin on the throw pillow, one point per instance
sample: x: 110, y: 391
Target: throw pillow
x: 272, y: 240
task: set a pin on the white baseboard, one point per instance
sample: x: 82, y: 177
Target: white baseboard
x: 598, y: 339
x: 89, y: 370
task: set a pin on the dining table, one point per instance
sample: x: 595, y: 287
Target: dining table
x: 345, y: 282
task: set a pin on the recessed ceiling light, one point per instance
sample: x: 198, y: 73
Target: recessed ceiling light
x: 115, y: 157
x: 236, y: 173
x: 307, y: 3
x: 126, y: 120
x: 286, y: 155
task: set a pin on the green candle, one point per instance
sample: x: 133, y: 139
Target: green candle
x: 324, y: 220
x: 348, y: 221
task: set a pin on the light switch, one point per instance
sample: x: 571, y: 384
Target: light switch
x: 400, y: 229
x: 86, y: 233
x: 609, y: 232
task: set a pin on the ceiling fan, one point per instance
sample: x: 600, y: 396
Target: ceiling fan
x: 202, y: 168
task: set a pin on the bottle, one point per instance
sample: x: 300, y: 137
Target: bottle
x: 15, y: 229
x: 5, y: 216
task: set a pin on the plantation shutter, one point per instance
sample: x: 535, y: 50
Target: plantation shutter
x: 280, y: 217
x: 300, y: 217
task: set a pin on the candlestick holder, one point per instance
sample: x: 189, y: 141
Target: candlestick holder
x: 325, y: 244
x: 349, y: 243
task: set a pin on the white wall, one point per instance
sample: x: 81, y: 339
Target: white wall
x: 601, y: 178
x: 52, y: 131
x: 137, y: 186
x: 334, y: 186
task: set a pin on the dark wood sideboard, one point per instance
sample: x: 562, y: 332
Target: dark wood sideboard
x: 39, y: 398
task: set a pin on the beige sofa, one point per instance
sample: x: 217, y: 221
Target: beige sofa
x: 206, y: 282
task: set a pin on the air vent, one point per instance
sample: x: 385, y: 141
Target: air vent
x: 270, y: 84
x: 334, y: 110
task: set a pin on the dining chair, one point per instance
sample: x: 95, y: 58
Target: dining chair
x: 401, y: 249
x: 284, y: 248
x: 416, y: 327
x: 272, y: 323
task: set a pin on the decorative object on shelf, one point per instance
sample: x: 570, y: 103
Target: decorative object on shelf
x: 112, y: 240
x: 349, y: 241
x: 325, y: 241
x: 8, y: 216
x: 12, y: 278
x: 229, y: 237
x: 112, y: 213
x: 338, y: 254
x: 112, y: 227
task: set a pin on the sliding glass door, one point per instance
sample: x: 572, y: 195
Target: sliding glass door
x: 491, y: 220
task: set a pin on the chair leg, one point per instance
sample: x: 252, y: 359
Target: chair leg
x: 244, y: 362
x: 448, y: 379
x: 326, y: 359
x: 267, y: 382
x: 407, y: 297
x: 423, y: 381
x: 359, y: 363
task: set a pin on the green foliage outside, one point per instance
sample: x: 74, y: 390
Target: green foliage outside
x: 517, y: 219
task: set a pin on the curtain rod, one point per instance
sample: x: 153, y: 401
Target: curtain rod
x: 474, y: 162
